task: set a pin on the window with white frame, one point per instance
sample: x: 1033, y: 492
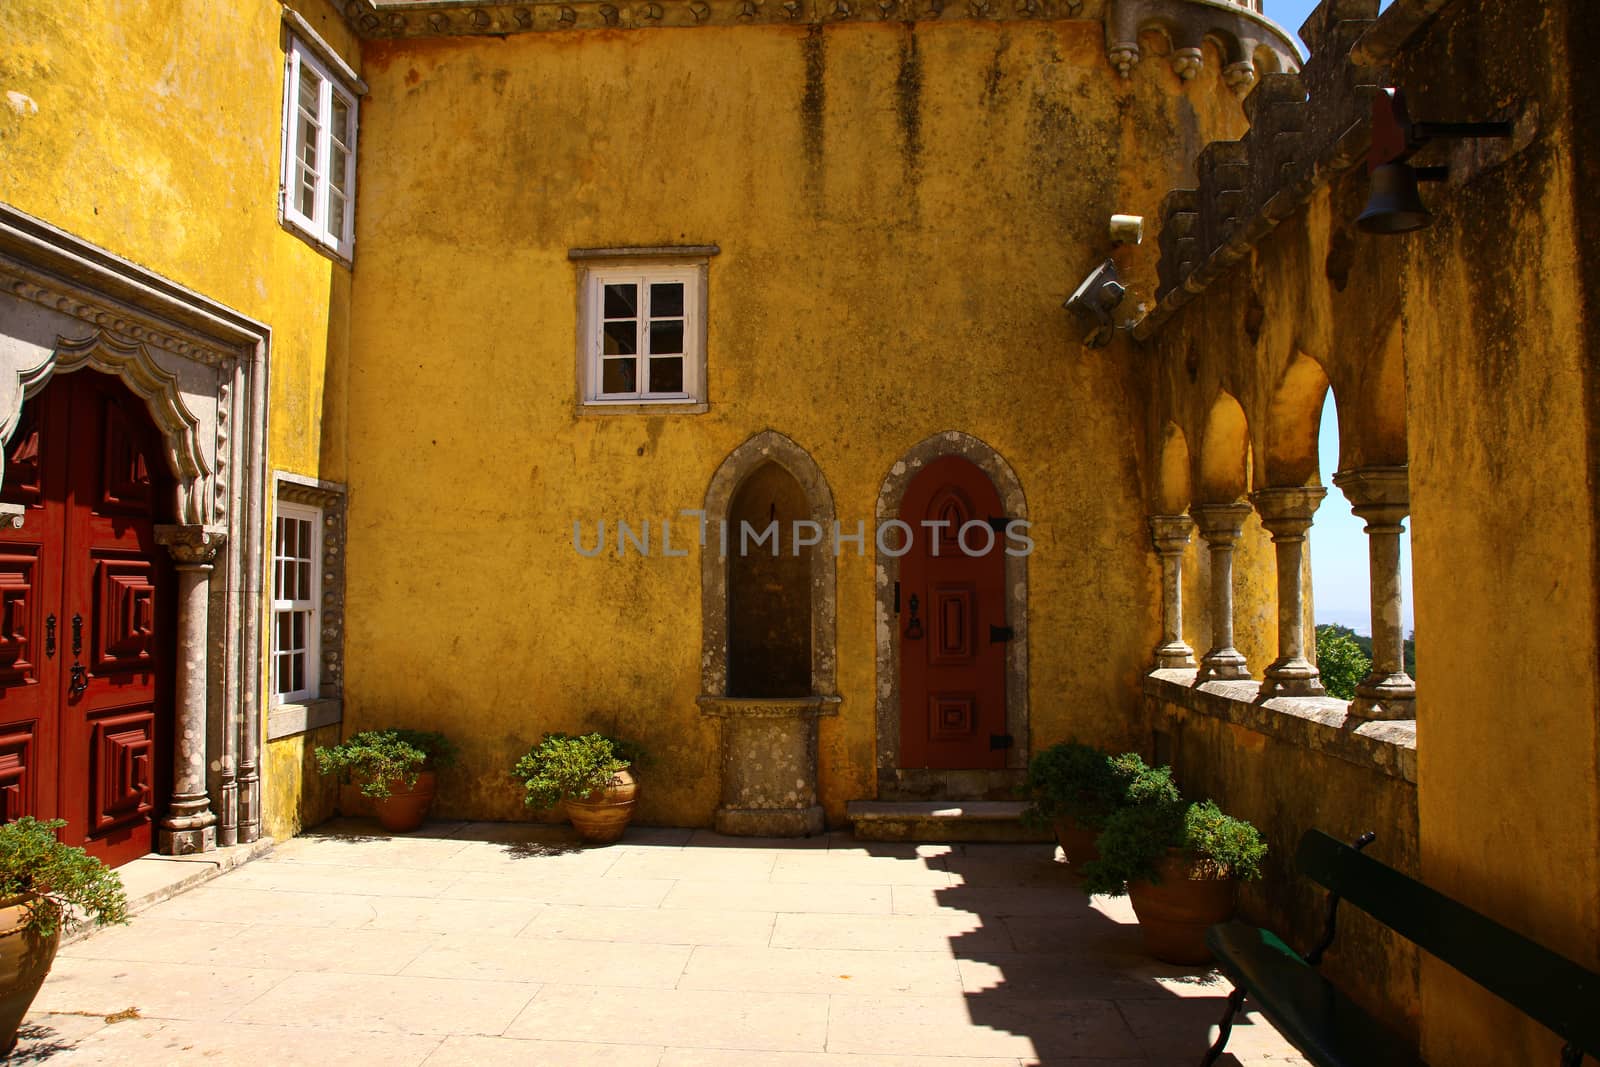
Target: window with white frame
x: 296, y: 600
x: 319, y: 152
x: 643, y: 339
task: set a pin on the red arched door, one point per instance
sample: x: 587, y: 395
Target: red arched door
x: 953, y: 626
x: 86, y: 619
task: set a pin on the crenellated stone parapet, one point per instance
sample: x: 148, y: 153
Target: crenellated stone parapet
x: 1247, y: 38
x: 1305, y: 128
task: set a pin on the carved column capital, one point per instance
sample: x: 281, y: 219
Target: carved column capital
x: 1170, y: 533
x: 1221, y: 524
x: 1287, y: 512
x: 192, y: 544
x: 1380, y: 495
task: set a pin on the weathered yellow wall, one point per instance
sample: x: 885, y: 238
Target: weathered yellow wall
x: 893, y: 264
x: 154, y: 131
x: 294, y: 796
x: 1502, y: 429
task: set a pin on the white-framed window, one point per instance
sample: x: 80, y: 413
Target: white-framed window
x: 319, y: 152
x: 642, y: 334
x: 296, y: 603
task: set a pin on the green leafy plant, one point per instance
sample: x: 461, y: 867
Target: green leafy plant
x: 378, y: 757
x: 1341, y: 660
x: 1072, y: 780
x: 1136, y: 839
x: 563, y: 765
x: 59, y: 884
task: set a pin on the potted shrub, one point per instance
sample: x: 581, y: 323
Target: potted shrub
x: 1181, y: 864
x: 394, y: 767
x: 44, y: 885
x: 588, y: 777
x: 1076, y: 788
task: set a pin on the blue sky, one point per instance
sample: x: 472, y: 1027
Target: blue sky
x: 1291, y: 13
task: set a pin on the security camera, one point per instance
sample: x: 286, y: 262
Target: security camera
x: 1098, y: 297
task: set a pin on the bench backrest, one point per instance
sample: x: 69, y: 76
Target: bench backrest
x: 1547, y: 987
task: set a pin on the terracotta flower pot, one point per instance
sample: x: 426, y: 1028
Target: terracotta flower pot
x: 1175, y: 913
x: 601, y: 817
x: 25, y: 959
x: 1077, y: 842
x: 406, y: 805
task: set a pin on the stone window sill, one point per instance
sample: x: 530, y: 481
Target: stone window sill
x: 288, y: 720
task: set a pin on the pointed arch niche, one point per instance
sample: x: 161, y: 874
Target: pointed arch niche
x: 906, y: 783
x: 767, y: 614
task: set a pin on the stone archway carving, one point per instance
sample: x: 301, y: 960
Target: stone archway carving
x: 200, y: 368
x: 769, y: 446
x: 769, y: 744
x: 895, y: 782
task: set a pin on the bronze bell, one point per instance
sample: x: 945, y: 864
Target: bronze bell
x: 1394, y: 205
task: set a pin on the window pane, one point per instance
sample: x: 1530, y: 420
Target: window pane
x: 340, y: 127
x: 304, y: 592
x: 299, y: 661
x: 310, y: 86
x: 338, y: 169
x: 620, y: 376
x: 622, y: 301
x: 666, y: 375
x: 621, y: 339
x: 336, y: 214
x: 666, y: 299
x: 666, y: 338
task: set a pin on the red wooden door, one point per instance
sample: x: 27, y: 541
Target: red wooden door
x: 952, y: 622
x: 86, y: 633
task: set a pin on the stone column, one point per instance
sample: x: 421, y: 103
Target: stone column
x: 191, y: 825
x: 1380, y: 495
x: 1286, y: 513
x: 1221, y: 525
x: 1171, y: 536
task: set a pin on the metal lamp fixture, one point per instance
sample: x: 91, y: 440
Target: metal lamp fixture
x: 1394, y: 205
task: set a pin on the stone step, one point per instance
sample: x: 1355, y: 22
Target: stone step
x: 942, y: 820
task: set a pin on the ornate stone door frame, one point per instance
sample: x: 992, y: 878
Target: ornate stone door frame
x: 67, y: 305
x: 899, y: 783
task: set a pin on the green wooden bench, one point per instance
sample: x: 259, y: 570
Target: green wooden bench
x: 1328, y: 1027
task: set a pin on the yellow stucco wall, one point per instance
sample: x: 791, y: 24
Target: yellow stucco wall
x: 154, y: 131
x: 900, y: 276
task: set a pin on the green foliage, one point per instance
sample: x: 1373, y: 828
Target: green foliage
x: 66, y: 884
x: 564, y: 766
x: 1137, y: 837
x: 1071, y: 780
x: 378, y: 757
x: 1333, y: 631
x: 1341, y: 660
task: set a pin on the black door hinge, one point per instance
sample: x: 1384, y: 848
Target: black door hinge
x: 999, y: 635
x: 998, y: 523
x: 999, y: 741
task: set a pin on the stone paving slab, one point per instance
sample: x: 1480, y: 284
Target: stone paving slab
x: 484, y: 943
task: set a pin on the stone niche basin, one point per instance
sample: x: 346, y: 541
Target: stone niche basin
x: 769, y: 763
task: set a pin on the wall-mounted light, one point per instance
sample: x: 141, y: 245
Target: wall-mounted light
x: 1394, y: 205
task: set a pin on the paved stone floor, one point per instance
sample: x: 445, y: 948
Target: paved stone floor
x: 490, y: 943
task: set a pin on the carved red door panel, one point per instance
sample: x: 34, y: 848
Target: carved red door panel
x: 952, y: 622
x: 105, y: 712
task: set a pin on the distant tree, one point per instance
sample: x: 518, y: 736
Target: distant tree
x: 1411, y: 654
x: 1341, y: 660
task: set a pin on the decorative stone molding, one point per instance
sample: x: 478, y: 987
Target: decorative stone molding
x: 895, y: 783
x: 1286, y: 513
x: 1171, y: 536
x: 1381, y: 496
x: 1221, y: 525
x: 69, y: 306
x: 1237, y: 29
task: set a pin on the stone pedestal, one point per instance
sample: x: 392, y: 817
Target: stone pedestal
x: 1221, y: 525
x: 1381, y: 496
x: 769, y: 764
x: 1286, y: 513
x: 190, y: 825
x: 1171, y: 535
